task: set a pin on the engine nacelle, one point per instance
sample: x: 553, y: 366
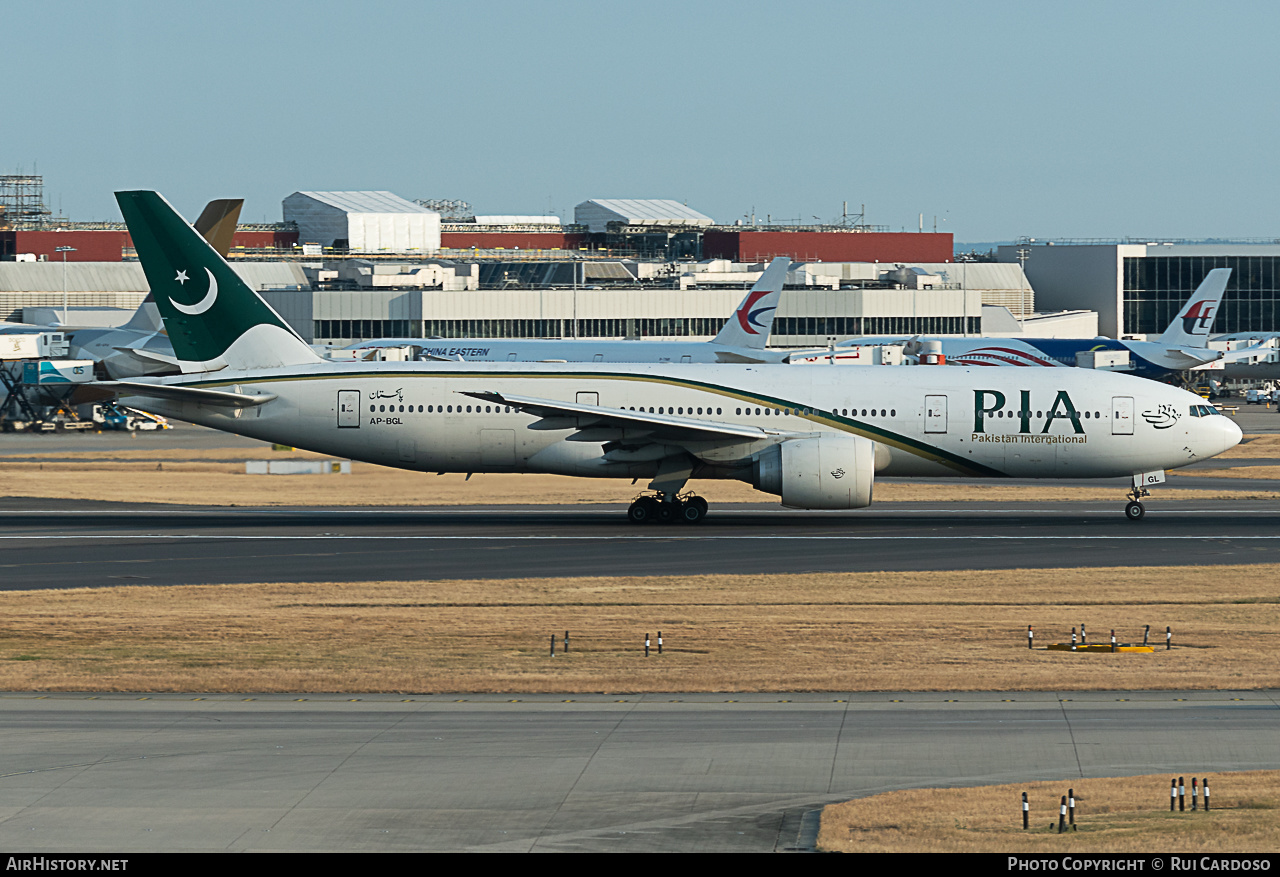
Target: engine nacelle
x: 825, y: 471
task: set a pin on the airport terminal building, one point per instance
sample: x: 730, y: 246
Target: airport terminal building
x: 1138, y: 288
x: 339, y: 303
x: 350, y: 266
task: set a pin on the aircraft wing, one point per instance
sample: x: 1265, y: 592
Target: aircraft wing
x: 220, y: 398
x: 595, y: 423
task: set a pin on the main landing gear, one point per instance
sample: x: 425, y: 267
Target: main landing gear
x: 667, y: 509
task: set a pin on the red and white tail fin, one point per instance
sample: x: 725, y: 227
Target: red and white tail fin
x: 1192, y: 325
x: 751, y: 323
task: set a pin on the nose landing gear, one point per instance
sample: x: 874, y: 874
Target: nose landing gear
x: 1134, y: 510
x: 667, y: 508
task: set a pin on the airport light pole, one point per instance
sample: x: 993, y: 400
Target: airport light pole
x: 1023, y: 251
x: 64, y: 251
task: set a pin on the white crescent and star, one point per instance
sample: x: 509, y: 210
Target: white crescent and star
x: 205, y: 303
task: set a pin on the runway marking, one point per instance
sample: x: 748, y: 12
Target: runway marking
x: 655, y: 538
x: 490, y: 511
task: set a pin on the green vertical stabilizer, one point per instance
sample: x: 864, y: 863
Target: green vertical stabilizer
x: 213, y: 319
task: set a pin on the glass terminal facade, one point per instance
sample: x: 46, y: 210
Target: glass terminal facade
x: 787, y: 331
x: 1156, y: 288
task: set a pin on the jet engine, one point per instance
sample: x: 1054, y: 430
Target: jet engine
x: 825, y: 471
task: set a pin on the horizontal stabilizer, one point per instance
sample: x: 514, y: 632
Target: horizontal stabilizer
x: 726, y: 356
x: 149, y: 355
x: 1189, y: 357
x: 216, y: 398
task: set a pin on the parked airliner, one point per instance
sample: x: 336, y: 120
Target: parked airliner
x: 809, y: 435
x: 742, y: 338
x: 1183, y: 345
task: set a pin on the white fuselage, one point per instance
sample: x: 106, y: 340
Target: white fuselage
x: 573, y: 350
x: 1051, y: 423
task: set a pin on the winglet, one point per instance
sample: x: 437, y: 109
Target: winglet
x: 1192, y: 325
x: 751, y: 323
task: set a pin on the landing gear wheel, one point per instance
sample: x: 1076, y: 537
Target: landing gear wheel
x: 643, y: 510
x: 1135, y: 510
x: 693, y: 510
x: 665, y: 512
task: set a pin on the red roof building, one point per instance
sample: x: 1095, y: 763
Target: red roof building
x: 110, y: 245
x: 751, y: 245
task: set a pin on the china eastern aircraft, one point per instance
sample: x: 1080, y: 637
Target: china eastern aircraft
x: 808, y: 435
x: 1184, y: 344
x: 742, y: 338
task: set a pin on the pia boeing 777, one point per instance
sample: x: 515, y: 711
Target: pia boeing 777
x: 811, y: 436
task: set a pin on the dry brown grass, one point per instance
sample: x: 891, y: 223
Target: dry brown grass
x: 216, y: 477
x: 831, y: 632
x: 1254, y: 447
x: 1235, y: 472
x: 206, y: 480
x: 1113, y: 815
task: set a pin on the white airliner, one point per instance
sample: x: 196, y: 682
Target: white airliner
x: 742, y: 338
x: 1182, y: 346
x: 809, y: 435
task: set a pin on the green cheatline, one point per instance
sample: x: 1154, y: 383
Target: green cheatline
x: 850, y: 425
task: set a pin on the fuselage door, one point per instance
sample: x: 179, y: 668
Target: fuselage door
x: 348, y: 408
x: 935, y: 414
x: 1122, y: 415
x: 588, y: 398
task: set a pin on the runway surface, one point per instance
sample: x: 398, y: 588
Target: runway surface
x: 586, y: 772
x: 580, y: 772
x: 50, y: 545
x: 58, y: 544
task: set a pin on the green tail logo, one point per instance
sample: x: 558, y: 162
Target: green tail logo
x: 212, y: 318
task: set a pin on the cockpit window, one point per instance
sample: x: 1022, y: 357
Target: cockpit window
x: 1203, y: 410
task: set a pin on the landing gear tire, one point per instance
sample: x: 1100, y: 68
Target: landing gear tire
x: 643, y: 510
x: 666, y: 511
x: 1135, y: 511
x: 693, y: 510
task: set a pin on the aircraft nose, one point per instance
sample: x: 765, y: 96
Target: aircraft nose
x: 1231, y: 434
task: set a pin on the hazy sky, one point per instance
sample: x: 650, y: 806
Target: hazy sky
x: 999, y: 119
